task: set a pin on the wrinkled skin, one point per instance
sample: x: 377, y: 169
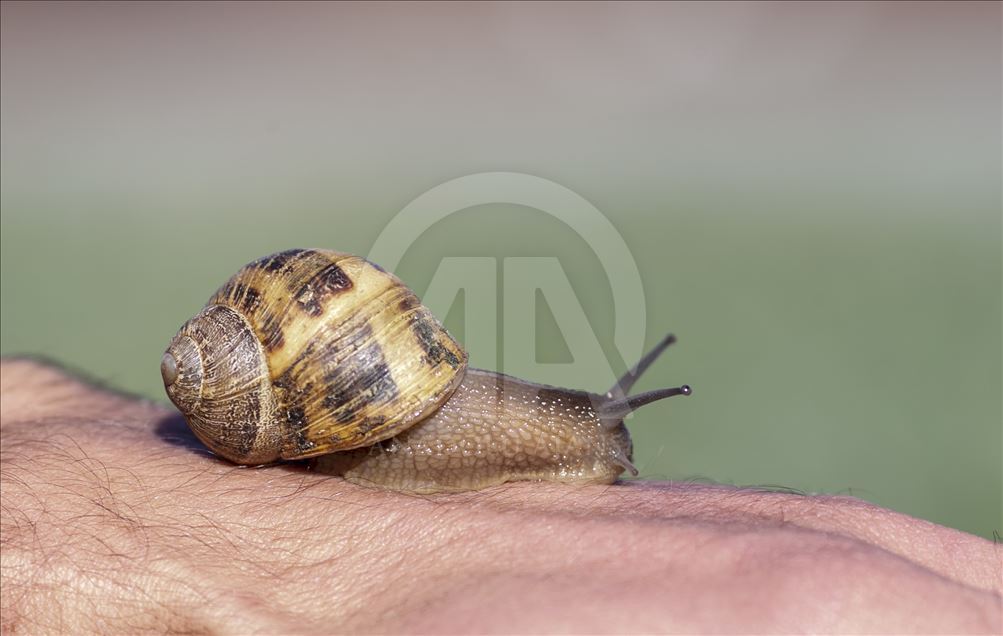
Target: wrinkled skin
x: 116, y: 520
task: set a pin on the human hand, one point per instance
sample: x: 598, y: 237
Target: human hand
x: 115, y: 519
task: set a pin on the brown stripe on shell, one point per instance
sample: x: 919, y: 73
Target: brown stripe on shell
x: 293, y: 413
x: 276, y: 262
x: 336, y: 389
x: 428, y: 332
x: 249, y: 300
x: 273, y: 337
x: 362, y: 381
x: 296, y: 423
x: 329, y: 281
x: 409, y: 302
x: 241, y: 295
x: 320, y: 353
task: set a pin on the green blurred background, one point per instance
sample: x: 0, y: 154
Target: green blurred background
x: 811, y: 193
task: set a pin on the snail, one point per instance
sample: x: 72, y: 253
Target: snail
x: 311, y: 353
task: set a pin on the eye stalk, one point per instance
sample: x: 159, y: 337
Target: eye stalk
x: 618, y: 404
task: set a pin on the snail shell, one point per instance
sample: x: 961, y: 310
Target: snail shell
x: 308, y: 353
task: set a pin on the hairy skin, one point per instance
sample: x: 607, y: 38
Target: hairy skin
x: 116, y: 520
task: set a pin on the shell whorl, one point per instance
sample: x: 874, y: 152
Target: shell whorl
x: 350, y: 356
x: 213, y: 371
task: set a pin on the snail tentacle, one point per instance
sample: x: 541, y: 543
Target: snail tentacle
x: 626, y: 382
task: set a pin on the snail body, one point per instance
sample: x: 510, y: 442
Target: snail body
x: 494, y: 429
x: 319, y: 354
